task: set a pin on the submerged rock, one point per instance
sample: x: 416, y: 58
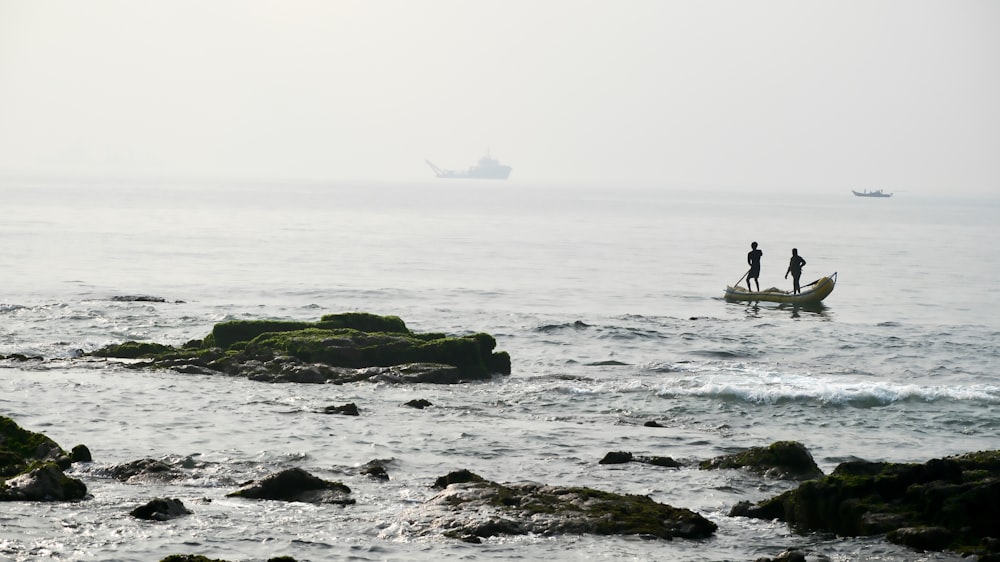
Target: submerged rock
x: 787, y: 460
x: 471, y: 507
x: 295, y: 485
x: 339, y: 348
x: 622, y: 457
x: 951, y: 503
x: 349, y: 409
x: 144, y: 471
x: 160, y: 509
x: 376, y: 469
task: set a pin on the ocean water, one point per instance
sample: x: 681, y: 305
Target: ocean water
x: 608, y: 299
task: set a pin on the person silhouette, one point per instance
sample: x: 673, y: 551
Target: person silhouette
x: 753, y: 260
x: 795, y: 268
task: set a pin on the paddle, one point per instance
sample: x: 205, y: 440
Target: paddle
x: 741, y: 278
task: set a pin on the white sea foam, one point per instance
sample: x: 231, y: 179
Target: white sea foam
x: 773, y: 388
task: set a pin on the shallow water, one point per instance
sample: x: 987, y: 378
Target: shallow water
x: 607, y: 299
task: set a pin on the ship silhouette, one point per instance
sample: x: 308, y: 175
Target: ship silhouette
x: 488, y: 168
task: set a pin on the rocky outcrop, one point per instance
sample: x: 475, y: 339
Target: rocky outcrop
x: 43, y: 483
x: 349, y: 409
x: 622, y: 457
x: 160, y: 509
x: 786, y: 460
x: 470, y: 507
x: 296, y: 485
x: 32, y: 464
x: 339, y: 348
x: 951, y: 503
x: 145, y: 471
x: 200, y: 558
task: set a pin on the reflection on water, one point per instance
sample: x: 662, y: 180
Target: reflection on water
x: 755, y: 309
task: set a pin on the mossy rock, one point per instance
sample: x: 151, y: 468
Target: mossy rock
x: 200, y: 558
x: 133, y: 350
x: 471, y: 506
x: 20, y: 447
x: 42, y: 481
x: 782, y: 459
x: 955, y: 498
x: 353, y: 340
x: 226, y: 334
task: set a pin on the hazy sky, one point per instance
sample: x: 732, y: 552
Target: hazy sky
x: 792, y: 94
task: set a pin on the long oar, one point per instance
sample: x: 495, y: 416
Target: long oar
x: 741, y: 278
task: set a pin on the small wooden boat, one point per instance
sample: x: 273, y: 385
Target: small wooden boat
x: 811, y: 294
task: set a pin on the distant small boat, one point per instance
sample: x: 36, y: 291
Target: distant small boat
x: 875, y: 193
x: 811, y: 294
x: 488, y: 168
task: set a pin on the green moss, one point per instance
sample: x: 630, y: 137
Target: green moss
x: 133, y: 350
x: 352, y: 340
x: 364, y: 322
x: 225, y: 334
x: 19, y: 447
x: 789, y: 458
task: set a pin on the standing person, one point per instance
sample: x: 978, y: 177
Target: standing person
x: 753, y: 260
x: 795, y: 268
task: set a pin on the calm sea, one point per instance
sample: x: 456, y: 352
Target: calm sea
x: 607, y: 297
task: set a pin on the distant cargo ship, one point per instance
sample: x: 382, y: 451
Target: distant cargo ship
x: 488, y: 168
x: 876, y: 193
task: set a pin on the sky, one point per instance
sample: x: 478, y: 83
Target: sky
x: 789, y: 94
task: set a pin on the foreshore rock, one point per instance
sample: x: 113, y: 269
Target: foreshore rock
x: 951, y: 503
x: 31, y: 467
x: 622, y: 457
x: 470, y: 508
x: 145, y: 471
x: 200, y: 558
x: 786, y: 460
x: 161, y: 509
x: 339, y: 348
x: 296, y: 485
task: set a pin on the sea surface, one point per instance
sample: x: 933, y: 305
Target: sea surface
x: 607, y: 297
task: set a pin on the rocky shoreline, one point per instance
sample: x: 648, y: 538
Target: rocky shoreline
x: 943, y: 504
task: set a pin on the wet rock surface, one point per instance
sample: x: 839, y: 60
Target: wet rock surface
x: 32, y: 465
x: 786, y: 460
x: 296, y: 485
x: 470, y: 507
x: 951, y: 503
x: 160, y: 509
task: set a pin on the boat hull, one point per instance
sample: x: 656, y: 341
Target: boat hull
x: 814, y: 293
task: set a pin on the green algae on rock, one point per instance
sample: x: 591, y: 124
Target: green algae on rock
x: 339, y: 348
x: 788, y: 460
x: 31, y: 467
x: 951, y: 503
